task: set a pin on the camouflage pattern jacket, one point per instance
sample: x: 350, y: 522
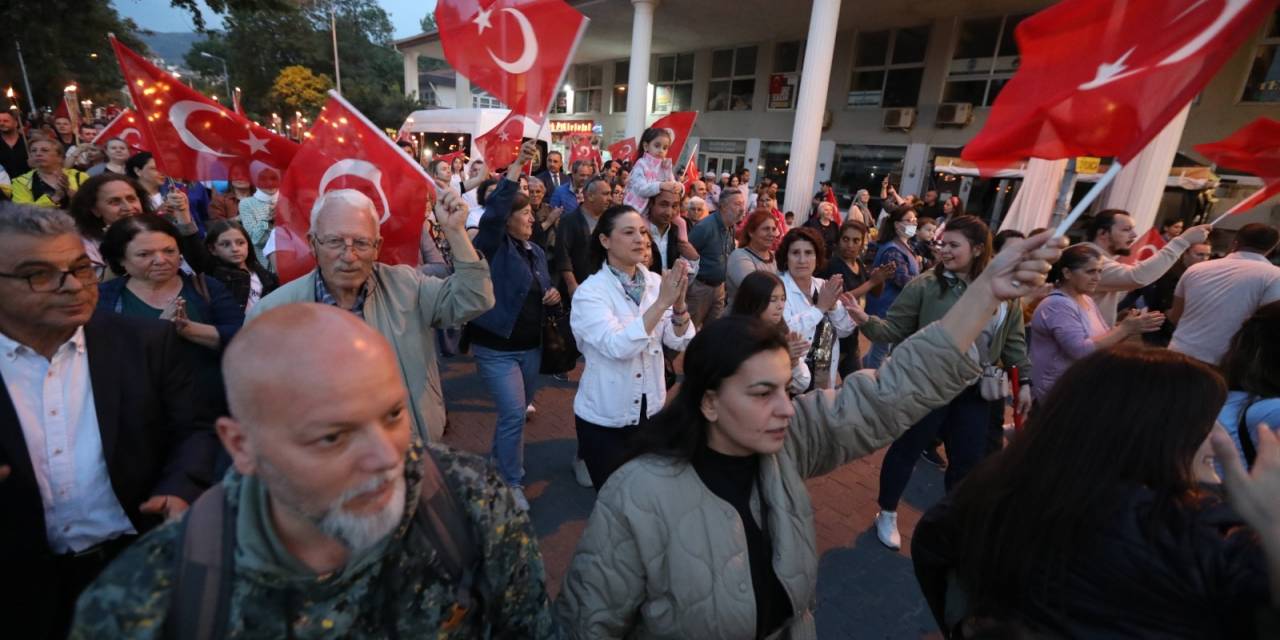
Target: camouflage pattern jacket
x: 397, y: 596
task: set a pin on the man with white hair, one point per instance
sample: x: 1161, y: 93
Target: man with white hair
x: 400, y: 302
x: 335, y: 522
x: 695, y: 209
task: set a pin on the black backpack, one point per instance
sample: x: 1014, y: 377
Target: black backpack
x: 205, y: 567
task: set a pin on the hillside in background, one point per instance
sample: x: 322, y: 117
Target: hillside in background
x: 171, y: 46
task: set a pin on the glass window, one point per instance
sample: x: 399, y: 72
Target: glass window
x: 621, y: 74
x: 733, y: 82
x: 561, y: 105
x: 888, y: 68
x: 860, y: 166
x: 985, y: 58
x: 775, y: 159
x: 673, y: 87
x: 786, y: 57
x: 722, y: 63
x: 1263, y: 84
x: 586, y: 89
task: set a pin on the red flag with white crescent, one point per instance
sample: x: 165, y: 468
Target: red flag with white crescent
x: 624, y: 150
x: 679, y: 124
x: 1104, y: 77
x: 193, y: 137
x: 127, y: 126
x: 518, y: 50
x: 580, y: 148
x: 691, y: 168
x: 1145, y: 247
x: 344, y: 150
x: 1254, y: 149
x: 501, y: 145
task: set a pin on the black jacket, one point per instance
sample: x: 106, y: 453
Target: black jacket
x: 1194, y: 572
x: 656, y: 264
x: 141, y: 375
x: 545, y: 177
x: 573, y: 246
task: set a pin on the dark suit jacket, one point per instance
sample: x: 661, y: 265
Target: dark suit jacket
x: 140, y: 372
x: 573, y: 246
x: 673, y: 253
x: 545, y: 177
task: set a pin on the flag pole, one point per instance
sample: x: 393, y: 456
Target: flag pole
x: 1248, y: 203
x: 1088, y: 199
x: 333, y: 31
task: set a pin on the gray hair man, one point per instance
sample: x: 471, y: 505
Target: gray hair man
x: 400, y: 302
x: 713, y: 239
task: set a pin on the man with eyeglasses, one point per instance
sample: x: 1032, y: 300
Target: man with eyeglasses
x: 98, y: 437
x: 403, y: 304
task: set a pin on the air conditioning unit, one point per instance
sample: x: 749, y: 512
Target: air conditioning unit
x: 901, y: 118
x: 954, y: 114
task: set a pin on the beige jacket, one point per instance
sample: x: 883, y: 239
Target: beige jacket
x: 663, y: 557
x: 407, y: 307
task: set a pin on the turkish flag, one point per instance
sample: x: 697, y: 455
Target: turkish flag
x: 1254, y: 149
x: 518, y: 50
x: 501, y: 145
x: 678, y: 124
x: 624, y: 150
x: 1103, y: 77
x: 691, y: 168
x: 450, y: 157
x: 580, y: 148
x: 1148, y: 245
x: 835, y: 205
x: 345, y: 151
x: 193, y: 137
x: 127, y: 126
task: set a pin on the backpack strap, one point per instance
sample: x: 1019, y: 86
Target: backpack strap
x: 1242, y: 430
x: 442, y: 521
x: 201, y: 592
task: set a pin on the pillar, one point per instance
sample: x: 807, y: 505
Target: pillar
x: 462, y: 92
x: 807, y: 130
x: 638, y: 78
x: 410, y: 73
x: 1140, y: 185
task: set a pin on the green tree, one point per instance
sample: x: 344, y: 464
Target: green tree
x: 298, y: 89
x: 65, y: 41
x: 428, y: 22
x: 223, y: 7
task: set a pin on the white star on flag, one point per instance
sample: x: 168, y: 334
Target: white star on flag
x: 256, y: 144
x: 482, y: 20
x: 502, y: 135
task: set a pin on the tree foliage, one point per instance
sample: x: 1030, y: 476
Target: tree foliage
x: 298, y: 89
x: 428, y: 23
x: 65, y: 41
x: 223, y: 7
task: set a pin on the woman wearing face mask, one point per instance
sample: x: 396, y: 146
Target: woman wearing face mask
x: 1067, y: 325
x: 101, y: 202
x: 816, y: 308
x: 258, y: 214
x: 226, y: 206
x: 763, y: 295
x: 962, y: 423
x: 707, y: 532
x: 117, y: 155
x: 858, y: 281
x: 756, y: 239
x: 896, y: 232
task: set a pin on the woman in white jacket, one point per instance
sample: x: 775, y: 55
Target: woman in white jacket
x: 816, y: 308
x: 621, y: 317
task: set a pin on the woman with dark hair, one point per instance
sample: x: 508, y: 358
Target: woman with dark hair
x: 893, y: 247
x: 1067, y: 324
x: 1252, y: 370
x: 507, y: 339
x: 762, y: 295
x: 816, y: 308
x: 235, y: 264
x: 707, y: 532
x: 962, y: 423
x: 622, y: 315
x: 858, y: 281
x: 101, y: 201
x: 756, y: 240
x: 1094, y: 522
x: 168, y: 196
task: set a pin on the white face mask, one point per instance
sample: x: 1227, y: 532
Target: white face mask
x: 909, y: 230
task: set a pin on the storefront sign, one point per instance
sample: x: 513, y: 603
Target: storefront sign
x: 1087, y: 164
x: 782, y: 91
x: 723, y: 146
x: 572, y: 126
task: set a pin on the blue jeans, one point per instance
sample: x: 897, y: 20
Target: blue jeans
x: 512, y: 377
x: 962, y: 424
x: 876, y: 355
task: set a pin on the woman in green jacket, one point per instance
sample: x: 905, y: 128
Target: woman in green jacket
x: 962, y: 423
x: 708, y: 532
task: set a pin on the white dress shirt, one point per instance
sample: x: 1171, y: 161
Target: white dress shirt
x: 623, y: 361
x: 54, y: 403
x: 803, y: 317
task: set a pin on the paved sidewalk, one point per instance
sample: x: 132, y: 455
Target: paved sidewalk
x: 864, y: 589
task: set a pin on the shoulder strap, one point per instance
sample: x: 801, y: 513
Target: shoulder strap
x: 1246, y: 439
x: 441, y: 519
x: 201, y: 591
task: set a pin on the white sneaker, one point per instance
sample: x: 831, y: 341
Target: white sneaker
x: 581, y: 474
x: 522, y: 503
x: 887, y: 529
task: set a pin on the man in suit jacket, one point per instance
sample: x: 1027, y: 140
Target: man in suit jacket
x: 573, y: 239
x: 99, y: 440
x: 662, y: 210
x: 553, y: 176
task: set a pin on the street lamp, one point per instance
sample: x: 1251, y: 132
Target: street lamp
x: 226, y: 78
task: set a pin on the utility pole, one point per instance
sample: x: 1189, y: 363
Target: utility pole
x: 26, y: 82
x: 226, y: 78
x: 333, y: 31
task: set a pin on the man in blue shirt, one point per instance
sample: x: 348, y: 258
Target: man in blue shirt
x: 713, y: 239
x: 566, y: 197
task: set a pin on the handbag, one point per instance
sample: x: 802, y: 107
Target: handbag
x: 559, y: 351
x: 994, y: 384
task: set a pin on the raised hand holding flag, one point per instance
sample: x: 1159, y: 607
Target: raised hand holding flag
x: 500, y: 146
x: 1255, y: 148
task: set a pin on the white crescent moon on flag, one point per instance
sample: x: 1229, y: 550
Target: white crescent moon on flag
x: 124, y: 135
x: 178, y: 115
x: 360, y: 169
x: 530, y: 53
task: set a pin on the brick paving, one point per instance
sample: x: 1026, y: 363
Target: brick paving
x: 864, y: 589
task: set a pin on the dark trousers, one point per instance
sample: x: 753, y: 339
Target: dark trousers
x: 962, y: 424
x: 73, y: 573
x: 850, y: 358
x: 604, y: 449
x: 995, y: 428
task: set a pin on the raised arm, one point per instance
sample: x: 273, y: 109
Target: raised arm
x: 902, y: 319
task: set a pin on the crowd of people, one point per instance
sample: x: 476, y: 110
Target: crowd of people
x: 191, y: 448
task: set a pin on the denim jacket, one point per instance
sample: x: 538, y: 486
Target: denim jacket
x: 512, y: 274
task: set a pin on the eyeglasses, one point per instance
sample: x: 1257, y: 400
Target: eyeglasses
x: 337, y: 244
x: 51, y: 280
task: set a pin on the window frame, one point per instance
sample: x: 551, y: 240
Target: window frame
x: 620, y: 87
x: 1267, y: 40
x: 670, y: 84
x: 888, y: 66
x: 586, y: 91
x: 991, y: 75
x: 735, y: 77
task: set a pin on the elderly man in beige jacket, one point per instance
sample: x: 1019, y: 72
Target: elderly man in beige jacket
x: 1111, y: 233
x: 404, y: 305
